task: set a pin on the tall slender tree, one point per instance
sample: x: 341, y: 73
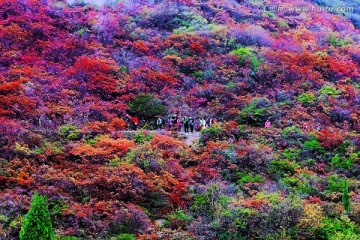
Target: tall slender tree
x: 346, y: 197
x: 37, y: 224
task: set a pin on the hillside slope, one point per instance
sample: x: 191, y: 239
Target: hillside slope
x: 73, y: 76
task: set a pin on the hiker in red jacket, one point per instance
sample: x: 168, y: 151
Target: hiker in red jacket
x: 135, y: 121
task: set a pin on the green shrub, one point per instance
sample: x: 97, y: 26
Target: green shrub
x: 144, y: 164
x: 93, y: 141
x: 307, y: 162
x: 205, y: 204
x: 345, y: 147
x: 338, y: 42
x: 341, y: 162
x: 39, y: 151
x: 146, y: 158
x: 216, y: 132
x: 146, y: 106
x: 353, y: 157
x: 291, y: 153
x: 3, y: 219
x: 246, y: 54
x: 298, y: 186
x: 67, y: 238
x: 329, y: 90
x: 181, y: 215
x: 335, y: 184
x: 115, y: 162
x: 55, y: 146
x: 37, y: 224
x: 273, y: 198
x: 292, y: 131
x: 172, y: 51
x: 190, y: 22
x: 256, y: 112
x: 69, y: 132
x: 344, y: 236
x: 198, y: 76
x: 333, y: 226
x: 125, y: 236
x: 283, y: 23
x: 313, y: 145
x: 306, y: 98
x: 248, y: 177
x: 23, y: 148
x: 281, y: 168
x: 155, y: 201
x: 179, y: 219
x: 141, y: 138
x: 271, y: 15
x: 17, y: 222
x: 3, y: 167
x: 201, y: 204
x: 58, y: 207
x: 231, y: 85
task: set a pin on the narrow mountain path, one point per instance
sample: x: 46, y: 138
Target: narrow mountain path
x: 189, y: 138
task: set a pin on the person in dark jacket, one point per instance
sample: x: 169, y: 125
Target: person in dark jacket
x: 191, y: 124
x: 174, y: 120
x: 186, y: 124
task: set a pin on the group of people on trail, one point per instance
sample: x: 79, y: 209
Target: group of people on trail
x: 177, y: 123
x: 304, y: 125
x: 290, y: 122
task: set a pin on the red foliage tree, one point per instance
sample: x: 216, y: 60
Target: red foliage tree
x: 330, y: 139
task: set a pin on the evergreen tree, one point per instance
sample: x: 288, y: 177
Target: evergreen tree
x: 346, y: 197
x: 146, y: 106
x: 37, y: 224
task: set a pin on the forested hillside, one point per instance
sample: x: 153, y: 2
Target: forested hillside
x: 280, y: 81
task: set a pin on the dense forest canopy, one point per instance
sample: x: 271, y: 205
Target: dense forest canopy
x: 75, y: 74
